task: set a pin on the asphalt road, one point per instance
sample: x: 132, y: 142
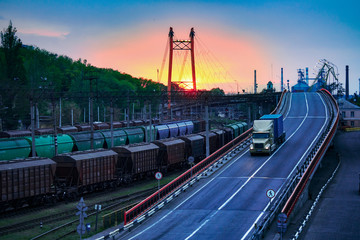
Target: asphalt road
x: 228, y: 203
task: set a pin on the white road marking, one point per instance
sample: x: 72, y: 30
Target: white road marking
x: 253, y: 178
x: 257, y: 170
x: 317, y: 136
x: 216, y: 176
x: 221, y: 171
x: 326, y: 114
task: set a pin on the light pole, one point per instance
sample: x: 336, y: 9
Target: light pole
x: 4, y: 108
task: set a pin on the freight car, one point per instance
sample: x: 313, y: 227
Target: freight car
x: 171, y: 153
x: 137, y: 160
x: 194, y: 145
x: 39, y: 180
x: 76, y: 138
x: 26, y: 181
x: 212, y: 141
x: 86, y: 171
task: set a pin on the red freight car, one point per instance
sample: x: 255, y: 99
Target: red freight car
x: 26, y: 181
x: 171, y: 152
x: 87, y: 170
x: 137, y: 160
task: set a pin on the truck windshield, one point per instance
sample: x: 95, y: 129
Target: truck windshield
x: 260, y: 135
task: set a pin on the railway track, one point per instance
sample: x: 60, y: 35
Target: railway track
x: 69, y: 214
x: 26, y: 209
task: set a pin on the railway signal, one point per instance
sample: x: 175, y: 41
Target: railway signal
x: 191, y: 160
x: 82, y: 208
x: 97, y: 208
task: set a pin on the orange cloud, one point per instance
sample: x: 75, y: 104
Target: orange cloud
x: 231, y: 57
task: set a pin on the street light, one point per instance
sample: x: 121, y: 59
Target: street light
x: 237, y: 86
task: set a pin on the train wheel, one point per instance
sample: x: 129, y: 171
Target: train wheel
x: 32, y: 202
x: 53, y: 200
x: 72, y: 196
x: 17, y: 204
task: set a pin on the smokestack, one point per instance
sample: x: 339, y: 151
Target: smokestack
x: 282, y: 80
x: 347, y: 81
x: 255, y: 84
x: 307, y: 75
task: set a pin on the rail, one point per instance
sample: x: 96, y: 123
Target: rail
x: 294, y: 197
x: 187, y: 176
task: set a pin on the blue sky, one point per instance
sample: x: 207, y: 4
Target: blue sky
x: 130, y: 36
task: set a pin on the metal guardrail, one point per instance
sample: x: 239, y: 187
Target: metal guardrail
x: 293, y: 180
x: 177, y: 183
x: 317, y: 199
x: 187, y: 176
x: 183, y: 181
x: 290, y: 204
x: 281, y: 103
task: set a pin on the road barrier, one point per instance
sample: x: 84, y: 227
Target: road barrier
x: 287, y: 196
x: 291, y: 202
x: 177, y: 183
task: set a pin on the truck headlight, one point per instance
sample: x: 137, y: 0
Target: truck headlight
x: 251, y: 146
x: 267, y: 147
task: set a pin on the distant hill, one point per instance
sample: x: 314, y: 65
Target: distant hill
x: 27, y: 71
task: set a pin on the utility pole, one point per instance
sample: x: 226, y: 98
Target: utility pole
x: 112, y: 123
x: 150, y: 127
x: 72, y: 117
x: 128, y: 111
x: 60, y: 123
x: 255, y: 84
x: 145, y: 118
x: 37, y: 116
x: 282, y: 80
x: 91, y: 119
x: 158, y: 80
x: 54, y: 123
x: 133, y: 111
x: 32, y: 113
x: 91, y: 112
x: 207, y: 130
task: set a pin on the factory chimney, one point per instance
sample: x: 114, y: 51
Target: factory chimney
x: 282, y: 80
x: 255, y: 84
x: 347, y: 81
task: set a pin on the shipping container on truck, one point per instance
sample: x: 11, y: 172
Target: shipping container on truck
x: 268, y: 134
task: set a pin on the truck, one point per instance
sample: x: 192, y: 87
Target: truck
x: 268, y: 134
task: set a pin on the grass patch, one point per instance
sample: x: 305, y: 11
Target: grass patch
x: 30, y: 233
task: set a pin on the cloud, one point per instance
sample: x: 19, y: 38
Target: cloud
x: 45, y: 33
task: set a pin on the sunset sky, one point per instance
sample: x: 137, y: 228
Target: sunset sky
x: 239, y: 36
